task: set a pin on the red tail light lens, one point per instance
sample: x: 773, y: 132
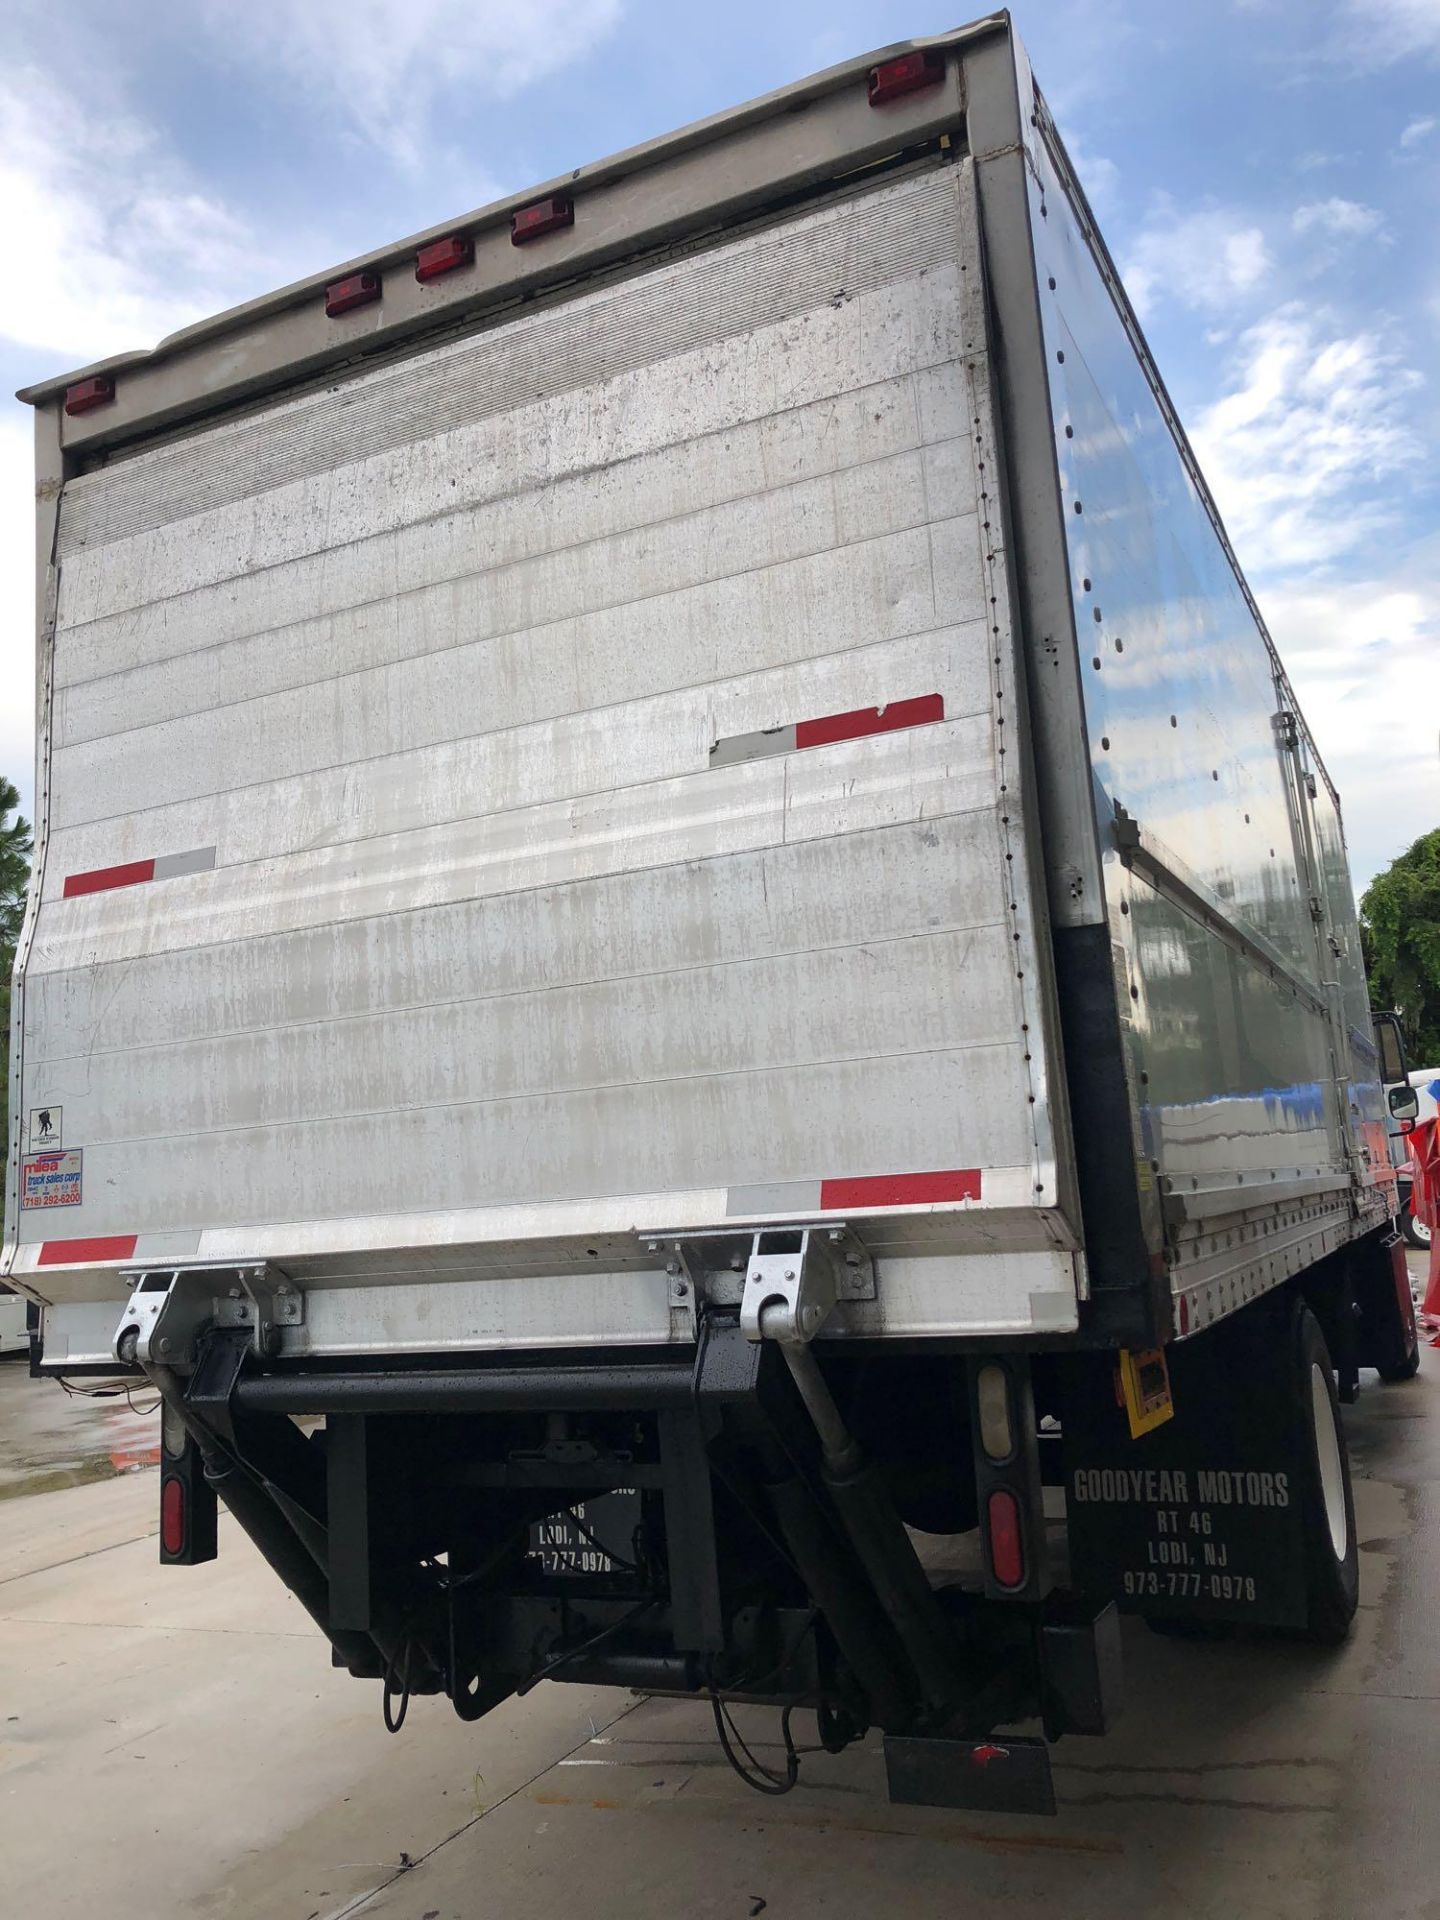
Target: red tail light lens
x: 444, y: 256
x: 544, y: 217
x: 1007, y: 1540
x: 172, y: 1515
x: 358, y: 291
x: 908, y: 74
x: 86, y: 395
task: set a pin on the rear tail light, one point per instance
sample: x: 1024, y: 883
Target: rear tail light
x: 359, y: 290
x: 172, y: 1516
x: 444, y: 256
x: 1008, y: 1477
x: 86, y: 395
x: 189, y: 1512
x: 1007, y: 1538
x: 909, y: 74
x: 544, y: 217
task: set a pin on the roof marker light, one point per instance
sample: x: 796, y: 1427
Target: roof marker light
x: 86, y: 395
x: 356, y: 291
x: 544, y: 217
x: 908, y: 74
x: 444, y: 256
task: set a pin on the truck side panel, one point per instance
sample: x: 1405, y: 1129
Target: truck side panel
x: 1237, y: 964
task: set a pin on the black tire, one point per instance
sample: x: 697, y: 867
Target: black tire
x: 1415, y: 1235
x: 1332, y: 1556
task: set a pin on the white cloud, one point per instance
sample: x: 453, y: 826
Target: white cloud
x: 377, y: 65
x: 1099, y: 176
x: 1203, y: 259
x: 1419, y: 130
x: 1364, y: 657
x: 120, y: 246
x: 1377, y: 33
x: 17, y: 604
x: 1314, y: 422
x: 1342, y: 219
x: 1308, y: 454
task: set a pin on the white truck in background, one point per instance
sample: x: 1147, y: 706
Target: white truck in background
x: 680, y: 899
x: 1425, y: 1081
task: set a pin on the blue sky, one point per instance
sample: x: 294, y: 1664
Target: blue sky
x: 1267, y: 173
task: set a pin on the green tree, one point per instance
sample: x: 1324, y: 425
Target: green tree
x: 1400, y: 919
x: 15, y: 850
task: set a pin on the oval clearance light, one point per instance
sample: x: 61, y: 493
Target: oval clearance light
x: 992, y: 1398
x: 359, y: 290
x: 544, y: 217
x: 86, y: 395
x: 172, y: 1515
x: 909, y: 74
x: 444, y: 256
x: 1007, y: 1542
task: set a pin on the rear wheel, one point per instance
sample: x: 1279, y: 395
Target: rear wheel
x: 1416, y: 1233
x: 1332, y: 1558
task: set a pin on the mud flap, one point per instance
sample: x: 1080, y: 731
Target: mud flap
x: 1003, y: 1774
x: 1200, y: 1518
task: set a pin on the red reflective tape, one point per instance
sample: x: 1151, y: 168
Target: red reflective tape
x: 98, y: 879
x: 864, y: 720
x: 105, y: 1246
x: 901, y: 1189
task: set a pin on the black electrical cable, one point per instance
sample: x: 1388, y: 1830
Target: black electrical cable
x: 626, y: 1566
x: 757, y: 1777
x: 756, y: 1518
x: 395, y: 1721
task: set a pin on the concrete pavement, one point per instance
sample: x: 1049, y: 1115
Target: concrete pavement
x: 176, y: 1743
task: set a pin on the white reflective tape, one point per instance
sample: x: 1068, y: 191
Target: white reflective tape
x: 752, y: 746
x: 169, y: 866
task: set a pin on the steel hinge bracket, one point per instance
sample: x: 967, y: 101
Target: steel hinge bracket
x: 794, y: 1277
x: 170, y: 1308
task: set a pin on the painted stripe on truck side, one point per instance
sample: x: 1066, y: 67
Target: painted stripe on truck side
x: 132, y: 873
x: 901, y: 1189
x: 101, y: 879
x: 922, y: 711
x: 105, y: 1246
x: 801, y: 1197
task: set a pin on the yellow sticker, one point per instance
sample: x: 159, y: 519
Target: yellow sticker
x: 1145, y: 1386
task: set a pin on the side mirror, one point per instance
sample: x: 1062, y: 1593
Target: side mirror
x: 1390, y: 1044
x: 1404, y: 1103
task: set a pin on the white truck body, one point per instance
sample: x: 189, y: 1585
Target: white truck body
x: 681, y: 911
x: 574, y: 781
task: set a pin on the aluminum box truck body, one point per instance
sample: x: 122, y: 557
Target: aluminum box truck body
x: 685, y: 934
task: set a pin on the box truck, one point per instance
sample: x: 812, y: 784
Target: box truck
x: 686, y: 937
